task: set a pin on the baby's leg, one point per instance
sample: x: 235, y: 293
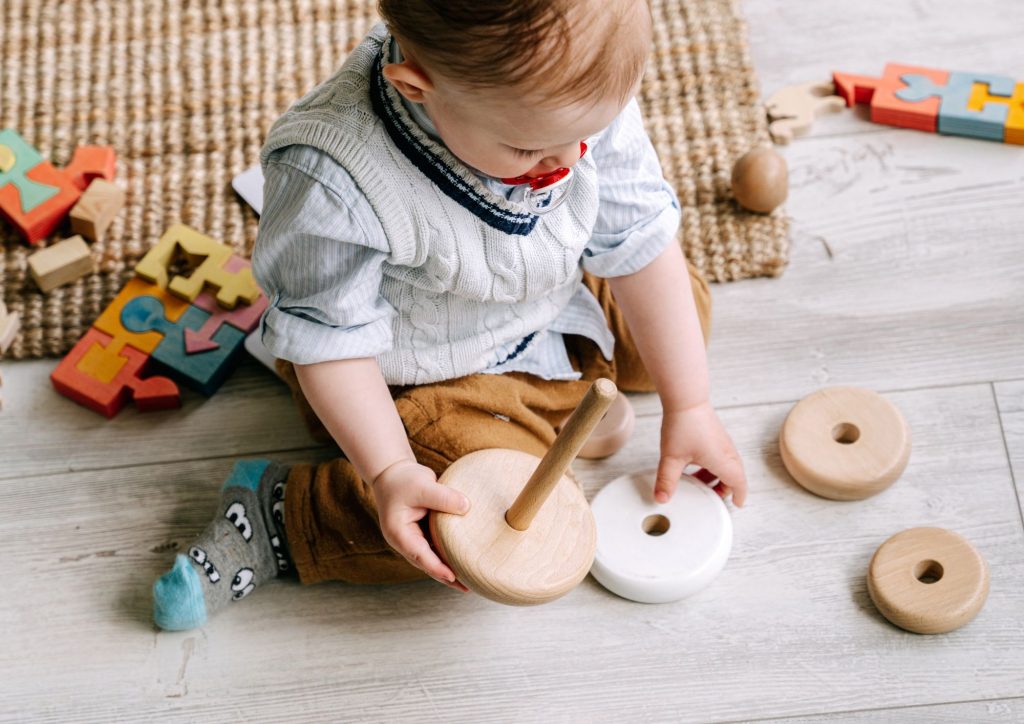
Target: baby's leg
x: 240, y: 550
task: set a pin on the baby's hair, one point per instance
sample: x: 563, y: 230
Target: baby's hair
x: 493, y: 44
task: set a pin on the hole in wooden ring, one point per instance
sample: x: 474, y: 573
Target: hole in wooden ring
x: 928, y: 571
x: 846, y: 433
x: 656, y: 525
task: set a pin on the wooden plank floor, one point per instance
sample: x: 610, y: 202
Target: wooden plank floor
x: 906, y: 276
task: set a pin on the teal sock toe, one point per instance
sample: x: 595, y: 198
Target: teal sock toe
x: 178, y: 603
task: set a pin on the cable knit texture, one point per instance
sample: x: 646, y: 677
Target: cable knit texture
x: 468, y: 269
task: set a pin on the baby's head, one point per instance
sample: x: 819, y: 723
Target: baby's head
x: 513, y: 87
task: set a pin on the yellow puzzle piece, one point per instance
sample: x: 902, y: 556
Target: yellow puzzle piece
x: 1013, y: 130
x: 208, y: 257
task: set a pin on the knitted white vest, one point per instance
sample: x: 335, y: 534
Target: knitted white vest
x: 468, y: 270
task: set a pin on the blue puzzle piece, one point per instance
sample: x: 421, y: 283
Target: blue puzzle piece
x: 25, y: 158
x: 203, y: 371
x: 954, y: 116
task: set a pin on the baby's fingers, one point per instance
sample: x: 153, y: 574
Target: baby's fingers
x: 418, y: 552
x: 440, y: 497
x: 729, y: 470
x: 669, y: 471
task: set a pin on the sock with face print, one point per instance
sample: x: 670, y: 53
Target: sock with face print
x: 244, y: 547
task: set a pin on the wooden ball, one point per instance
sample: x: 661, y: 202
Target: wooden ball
x: 928, y: 580
x: 536, y: 565
x: 612, y: 432
x: 760, y: 180
x: 845, y: 443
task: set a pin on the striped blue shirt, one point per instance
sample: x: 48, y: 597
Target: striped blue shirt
x: 328, y: 247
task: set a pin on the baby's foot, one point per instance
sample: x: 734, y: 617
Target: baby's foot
x: 242, y: 548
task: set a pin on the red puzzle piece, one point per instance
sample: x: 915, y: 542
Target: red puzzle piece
x: 75, y: 378
x: 244, y: 318
x: 881, y: 94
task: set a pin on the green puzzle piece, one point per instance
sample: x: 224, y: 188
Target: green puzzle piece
x: 25, y: 158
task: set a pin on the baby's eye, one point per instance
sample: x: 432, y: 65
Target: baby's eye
x: 525, y: 153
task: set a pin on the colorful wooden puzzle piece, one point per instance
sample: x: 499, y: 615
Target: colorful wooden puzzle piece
x: 243, y: 318
x: 103, y: 380
x: 34, y: 196
x: 203, y: 372
x: 977, y: 105
x: 208, y: 258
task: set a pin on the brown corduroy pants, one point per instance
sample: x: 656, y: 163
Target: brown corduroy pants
x: 330, y: 513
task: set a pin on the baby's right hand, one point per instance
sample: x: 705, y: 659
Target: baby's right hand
x: 406, y: 492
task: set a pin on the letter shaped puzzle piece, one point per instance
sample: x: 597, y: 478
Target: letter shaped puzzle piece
x: 1013, y: 130
x: 94, y: 375
x: 203, y: 371
x: 34, y: 196
x: 955, y: 116
x: 209, y: 258
x: 882, y: 95
x: 792, y: 110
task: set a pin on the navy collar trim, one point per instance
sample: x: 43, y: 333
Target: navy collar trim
x: 470, y: 194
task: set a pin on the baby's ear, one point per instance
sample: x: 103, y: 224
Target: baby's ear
x: 409, y: 80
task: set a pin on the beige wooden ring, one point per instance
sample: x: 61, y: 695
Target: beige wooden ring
x: 928, y: 580
x: 612, y: 432
x: 845, y: 443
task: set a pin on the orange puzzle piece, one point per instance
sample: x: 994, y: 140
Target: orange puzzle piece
x: 94, y: 375
x: 880, y: 93
x: 1013, y: 131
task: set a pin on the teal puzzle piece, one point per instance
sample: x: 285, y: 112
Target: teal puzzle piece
x: 204, y: 371
x: 954, y: 117
x: 32, y: 193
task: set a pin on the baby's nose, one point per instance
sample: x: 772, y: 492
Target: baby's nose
x: 563, y: 157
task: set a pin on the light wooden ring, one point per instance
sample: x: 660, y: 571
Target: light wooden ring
x: 928, y: 580
x: 612, y: 432
x: 527, y: 567
x: 845, y: 443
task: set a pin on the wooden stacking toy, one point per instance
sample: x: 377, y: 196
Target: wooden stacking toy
x: 928, y: 580
x: 612, y: 431
x: 529, y: 535
x: 655, y: 552
x: 845, y: 443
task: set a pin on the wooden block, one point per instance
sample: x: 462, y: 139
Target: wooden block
x: 207, y: 259
x: 109, y: 322
x: 203, y: 372
x: 928, y: 580
x: 97, y: 207
x: 89, y: 163
x: 61, y: 263
x: 1013, y: 129
x: 10, y: 325
x: 74, y: 378
x: 845, y: 443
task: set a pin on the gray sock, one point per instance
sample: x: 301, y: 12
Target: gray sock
x: 243, y: 547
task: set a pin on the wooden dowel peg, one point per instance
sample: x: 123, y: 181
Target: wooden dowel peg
x: 561, y: 454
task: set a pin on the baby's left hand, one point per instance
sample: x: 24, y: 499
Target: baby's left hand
x: 695, y: 435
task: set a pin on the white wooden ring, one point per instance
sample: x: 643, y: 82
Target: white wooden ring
x: 655, y: 552
x: 928, y: 580
x: 845, y: 443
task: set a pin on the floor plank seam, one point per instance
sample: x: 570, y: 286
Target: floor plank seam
x: 1006, y: 449
x: 886, y: 709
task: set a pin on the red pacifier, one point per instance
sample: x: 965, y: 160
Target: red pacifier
x: 548, y: 180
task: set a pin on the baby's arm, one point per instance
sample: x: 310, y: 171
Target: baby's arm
x: 352, y: 400
x: 634, y: 247
x: 319, y: 257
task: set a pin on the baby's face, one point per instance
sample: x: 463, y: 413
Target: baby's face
x: 504, y: 136
x: 522, y: 129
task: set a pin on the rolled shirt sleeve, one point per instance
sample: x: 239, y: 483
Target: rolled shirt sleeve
x: 319, y: 257
x: 639, y: 214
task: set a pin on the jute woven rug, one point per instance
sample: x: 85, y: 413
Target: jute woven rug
x: 185, y: 90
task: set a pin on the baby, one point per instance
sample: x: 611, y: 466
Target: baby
x: 462, y: 229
